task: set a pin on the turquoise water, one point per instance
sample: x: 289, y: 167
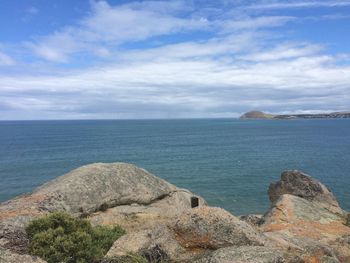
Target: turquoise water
x: 228, y: 162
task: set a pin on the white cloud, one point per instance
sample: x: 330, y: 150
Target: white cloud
x: 284, y: 52
x: 6, y: 60
x: 241, y: 62
x: 57, y: 46
x: 182, y: 87
x: 298, y: 4
x: 112, y: 26
x: 255, y: 22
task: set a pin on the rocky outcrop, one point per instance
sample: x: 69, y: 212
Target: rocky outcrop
x: 306, y: 217
x: 305, y: 223
x: 115, y: 193
x: 302, y: 185
x: 213, y: 228
x: 190, y: 235
x: 99, y: 186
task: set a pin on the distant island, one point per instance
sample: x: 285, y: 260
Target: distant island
x: 262, y: 115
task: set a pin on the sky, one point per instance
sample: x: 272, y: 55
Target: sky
x: 89, y: 59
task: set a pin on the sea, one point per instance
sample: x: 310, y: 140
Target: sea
x: 229, y: 162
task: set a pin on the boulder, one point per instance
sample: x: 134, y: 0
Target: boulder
x: 190, y: 235
x: 302, y: 185
x: 213, y: 228
x: 243, y: 254
x: 290, y: 209
x: 99, y: 186
x: 110, y: 193
x: 306, y: 219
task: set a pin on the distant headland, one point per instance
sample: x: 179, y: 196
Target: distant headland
x: 262, y: 115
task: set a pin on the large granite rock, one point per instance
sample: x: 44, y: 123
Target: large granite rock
x: 115, y: 193
x: 306, y: 218
x: 89, y: 188
x: 302, y: 185
x: 213, y: 228
x: 136, y: 217
x: 190, y: 235
x: 305, y: 223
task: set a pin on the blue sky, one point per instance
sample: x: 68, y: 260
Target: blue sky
x: 172, y: 59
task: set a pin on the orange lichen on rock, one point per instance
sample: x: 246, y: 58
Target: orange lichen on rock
x: 309, y: 229
x: 195, y: 240
x: 22, y: 206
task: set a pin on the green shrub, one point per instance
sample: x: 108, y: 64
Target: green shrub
x: 59, y: 237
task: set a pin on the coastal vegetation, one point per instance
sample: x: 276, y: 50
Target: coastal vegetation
x: 59, y: 237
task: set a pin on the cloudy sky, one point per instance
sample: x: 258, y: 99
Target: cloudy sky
x: 82, y: 59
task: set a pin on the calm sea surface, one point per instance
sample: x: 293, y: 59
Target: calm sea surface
x: 228, y: 162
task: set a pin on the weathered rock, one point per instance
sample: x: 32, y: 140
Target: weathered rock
x: 294, y: 222
x: 302, y: 185
x: 160, y: 238
x: 243, y: 254
x: 290, y: 209
x: 90, y: 187
x: 341, y: 247
x: 348, y: 219
x: 7, y: 256
x: 137, y: 217
x: 306, y: 218
x: 121, y: 191
x: 213, y: 228
x: 304, y: 225
x: 254, y: 220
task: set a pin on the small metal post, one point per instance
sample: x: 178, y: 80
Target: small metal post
x: 194, y: 201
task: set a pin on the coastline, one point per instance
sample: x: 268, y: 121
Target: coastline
x: 304, y: 222
x: 269, y: 116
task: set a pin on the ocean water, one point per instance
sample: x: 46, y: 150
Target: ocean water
x: 228, y: 162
